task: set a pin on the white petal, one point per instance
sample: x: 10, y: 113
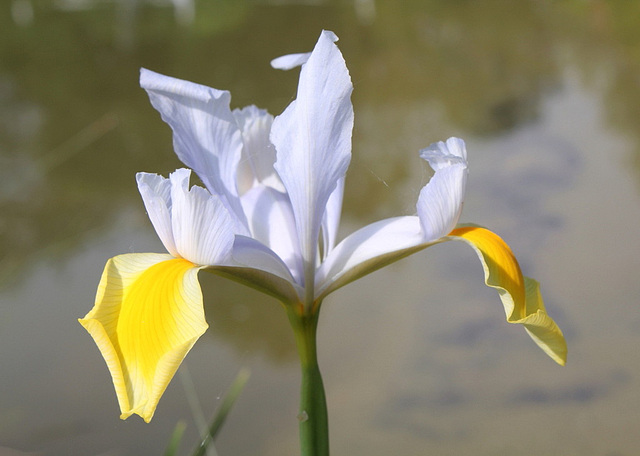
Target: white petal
x: 271, y: 222
x: 206, y: 137
x: 289, y: 61
x: 254, y: 264
x: 313, y: 139
x: 331, y: 218
x: 203, y: 229
x: 251, y: 253
x: 258, y: 154
x: 440, y: 201
x: 367, y: 250
x: 156, y: 195
x: 443, y: 154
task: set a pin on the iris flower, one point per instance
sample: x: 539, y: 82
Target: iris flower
x: 268, y: 217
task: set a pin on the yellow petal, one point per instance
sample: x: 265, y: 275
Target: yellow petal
x: 520, y: 295
x: 147, y: 316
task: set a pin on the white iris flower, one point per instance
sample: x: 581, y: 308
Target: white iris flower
x: 269, y: 218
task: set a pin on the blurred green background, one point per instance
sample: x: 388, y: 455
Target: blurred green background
x: 417, y: 357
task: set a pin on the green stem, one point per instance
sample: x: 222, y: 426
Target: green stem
x: 314, y: 423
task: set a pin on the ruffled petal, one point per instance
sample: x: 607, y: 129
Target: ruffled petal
x: 206, y: 136
x: 520, y: 295
x: 313, y: 139
x: 443, y: 154
x: 258, y: 154
x: 202, y: 227
x: 440, y: 201
x: 156, y: 195
x: 147, y: 316
x: 368, y: 249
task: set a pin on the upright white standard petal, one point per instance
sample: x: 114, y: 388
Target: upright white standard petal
x: 440, y: 202
x: 206, y: 136
x: 313, y: 142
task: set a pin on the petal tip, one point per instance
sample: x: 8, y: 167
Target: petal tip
x: 330, y: 35
x: 520, y: 295
x: 453, y: 151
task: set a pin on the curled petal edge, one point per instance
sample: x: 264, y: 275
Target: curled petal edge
x: 520, y: 295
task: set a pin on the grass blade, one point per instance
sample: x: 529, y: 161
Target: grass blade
x: 221, y: 415
x: 176, y: 438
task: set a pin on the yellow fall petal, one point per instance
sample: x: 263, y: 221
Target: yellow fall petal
x: 147, y: 315
x: 520, y: 295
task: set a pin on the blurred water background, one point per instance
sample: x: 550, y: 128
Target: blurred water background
x: 417, y: 358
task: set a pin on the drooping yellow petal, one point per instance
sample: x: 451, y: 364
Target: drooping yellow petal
x: 147, y: 316
x: 520, y: 295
